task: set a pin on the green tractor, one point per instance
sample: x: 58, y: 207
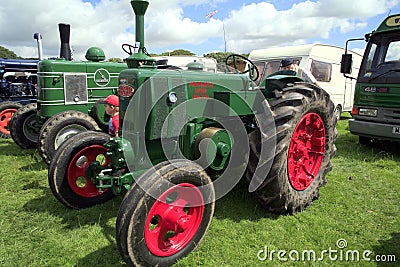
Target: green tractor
x: 186, y: 138
x: 68, y: 99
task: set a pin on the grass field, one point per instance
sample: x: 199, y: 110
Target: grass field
x: 358, y: 214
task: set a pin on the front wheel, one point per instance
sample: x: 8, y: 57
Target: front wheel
x: 167, y: 216
x: 7, y: 110
x: 305, y: 136
x: 67, y: 174
x: 24, y: 126
x: 61, y: 127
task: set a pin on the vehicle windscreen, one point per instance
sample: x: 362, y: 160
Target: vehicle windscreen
x: 382, y: 60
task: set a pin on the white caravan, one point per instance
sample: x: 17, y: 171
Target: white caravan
x: 324, y: 63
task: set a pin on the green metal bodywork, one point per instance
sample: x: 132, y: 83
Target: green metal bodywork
x: 74, y: 85
x: 149, y: 124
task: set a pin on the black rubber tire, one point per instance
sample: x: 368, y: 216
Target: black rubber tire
x: 338, y: 112
x: 276, y: 193
x: 137, y: 204
x: 24, y: 126
x: 5, y: 121
x: 49, y: 137
x: 365, y: 140
x: 59, y: 167
x: 100, y: 119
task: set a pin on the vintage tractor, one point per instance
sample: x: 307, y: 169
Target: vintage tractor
x: 69, y: 95
x: 187, y: 137
x: 17, y: 87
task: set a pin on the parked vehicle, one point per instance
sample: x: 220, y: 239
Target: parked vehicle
x: 179, y: 128
x: 68, y: 99
x: 18, y: 82
x: 376, y: 110
x: 322, y: 60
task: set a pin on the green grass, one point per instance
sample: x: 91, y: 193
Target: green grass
x: 360, y: 204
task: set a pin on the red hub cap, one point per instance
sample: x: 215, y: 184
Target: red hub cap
x: 5, y: 117
x: 77, y: 178
x: 173, y: 220
x: 306, y: 151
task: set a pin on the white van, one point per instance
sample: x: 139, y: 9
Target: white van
x: 210, y: 64
x: 324, y: 63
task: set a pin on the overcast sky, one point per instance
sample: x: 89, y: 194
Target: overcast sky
x: 175, y: 24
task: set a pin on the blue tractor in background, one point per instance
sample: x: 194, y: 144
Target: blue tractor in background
x: 18, y: 83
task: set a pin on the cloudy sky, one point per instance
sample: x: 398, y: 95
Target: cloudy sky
x: 176, y: 24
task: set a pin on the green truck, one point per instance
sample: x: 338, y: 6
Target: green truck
x: 376, y: 109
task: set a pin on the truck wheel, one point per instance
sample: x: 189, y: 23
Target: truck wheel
x: 67, y: 172
x: 7, y: 110
x: 24, y: 126
x: 59, y: 128
x: 305, y: 137
x: 338, y: 112
x: 365, y: 140
x: 100, y: 116
x: 167, y: 216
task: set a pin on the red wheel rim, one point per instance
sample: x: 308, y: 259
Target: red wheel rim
x: 306, y: 151
x: 172, y: 221
x: 77, y: 179
x: 5, y: 117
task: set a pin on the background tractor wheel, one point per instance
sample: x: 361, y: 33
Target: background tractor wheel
x: 166, y: 216
x: 98, y: 113
x: 59, y: 128
x: 24, y: 127
x: 7, y: 110
x: 305, y: 136
x: 67, y: 172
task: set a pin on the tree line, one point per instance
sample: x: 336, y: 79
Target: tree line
x: 219, y: 56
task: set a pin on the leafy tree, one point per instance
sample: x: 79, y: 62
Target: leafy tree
x: 116, y: 60
x: 5, y: 53
x: 178, y: 52
x: 221, y: 56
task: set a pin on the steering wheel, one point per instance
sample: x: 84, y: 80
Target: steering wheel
x: 128, y: 48
x: 250, y: 70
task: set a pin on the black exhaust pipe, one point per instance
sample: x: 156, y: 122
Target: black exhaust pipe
x: 65, y: 50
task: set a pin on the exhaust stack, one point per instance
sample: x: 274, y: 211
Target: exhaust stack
x: 140, y: 58
x: 38, y: 37
x: 65, y: 50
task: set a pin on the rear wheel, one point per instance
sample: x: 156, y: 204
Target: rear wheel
x: 167, y: 216
x: 7, y: 110
x: 67, y: 176
x: 24, y: 126
x: 305, y: 136
x: 61, y: 127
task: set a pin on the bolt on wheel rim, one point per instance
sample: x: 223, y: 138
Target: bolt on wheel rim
x: 306, y: 151
x: 77, y: 178
x: 172, y: 221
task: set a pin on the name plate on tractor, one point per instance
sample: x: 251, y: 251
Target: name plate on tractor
x: 396, y: 130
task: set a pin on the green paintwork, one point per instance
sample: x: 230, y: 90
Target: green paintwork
x: 378, y: 85
x: 100, y: 80
x: 202, y: 99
